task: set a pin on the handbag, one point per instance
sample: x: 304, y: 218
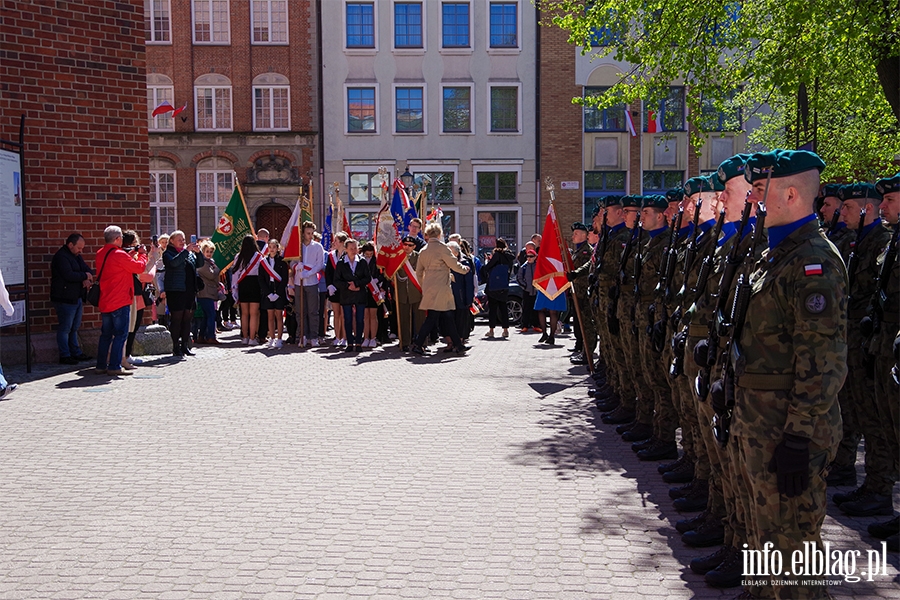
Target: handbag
x: 93, y: 295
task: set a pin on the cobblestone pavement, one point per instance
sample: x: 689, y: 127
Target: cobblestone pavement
x: 255, y: 473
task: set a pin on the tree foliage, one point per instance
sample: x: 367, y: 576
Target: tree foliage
x: 826, y: 71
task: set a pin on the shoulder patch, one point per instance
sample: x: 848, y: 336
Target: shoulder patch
x: 816, y: 303
x: 815, y: 269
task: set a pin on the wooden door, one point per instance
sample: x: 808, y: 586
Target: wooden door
x: 273, y: 217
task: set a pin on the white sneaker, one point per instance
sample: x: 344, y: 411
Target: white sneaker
x: 253, y: 342
x: 277, y: 344
x: 270, y: 343
x: 135, y: 361
x: 392, y: 336
x: 314, y: 342
x: 245, y: 341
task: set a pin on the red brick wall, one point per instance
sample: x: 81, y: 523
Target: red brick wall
x: 76, y: 70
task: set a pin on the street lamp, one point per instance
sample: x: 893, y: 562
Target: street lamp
x: 407, y: 178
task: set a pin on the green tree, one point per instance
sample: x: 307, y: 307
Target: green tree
x: 827, y: 71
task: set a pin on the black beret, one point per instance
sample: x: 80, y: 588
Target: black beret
x: 859, y: 191
x: 579, y: 225
x: 888, y: 185
x: 675, y: 195
x: 612, y: 201
x: 831, y: 189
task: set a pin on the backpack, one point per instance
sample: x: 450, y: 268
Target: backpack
x: 498, y: 278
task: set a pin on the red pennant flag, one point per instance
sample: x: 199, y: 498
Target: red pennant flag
x: 290, y: 239
x: 178, y: 111
x: 388, y: 244
x: 550, y: 266
x: 652, y: 122
x: 163, y: 109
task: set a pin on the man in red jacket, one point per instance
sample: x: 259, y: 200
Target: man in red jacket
x: 116, y: 269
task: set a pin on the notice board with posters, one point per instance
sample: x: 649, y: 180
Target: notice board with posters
x: 12, y: 238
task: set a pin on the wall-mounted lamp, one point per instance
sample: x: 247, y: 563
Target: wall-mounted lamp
x: 460, y: 191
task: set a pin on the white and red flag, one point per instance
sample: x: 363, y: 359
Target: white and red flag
x: 550, y: 267
x: 388, y: 242
x: 178, y: 111
x: 630, y: 123
x: 290, y: 239
x: 653, y: 122
x: 163, y: 109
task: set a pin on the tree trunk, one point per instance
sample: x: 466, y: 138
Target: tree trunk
x: 888, y: 70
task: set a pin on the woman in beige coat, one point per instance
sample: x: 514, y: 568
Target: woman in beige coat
x: 433, y: 272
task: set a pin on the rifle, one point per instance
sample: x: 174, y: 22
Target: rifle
x: 690, y: 255
x: 664, y: 288
x: 853, y: 260
x: 706, y: 265
x: 638, y: 259
x: 615, y: 291
x: 879, y: 299
x: 832, y: 225
x: 731, y: 355
x: 599, y: 253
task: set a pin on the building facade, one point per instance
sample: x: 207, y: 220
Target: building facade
x: 445, y: 89
x: 246, y: 72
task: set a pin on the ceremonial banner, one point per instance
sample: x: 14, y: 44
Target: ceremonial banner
x: 233, y: 225
x: 549, y: 270
x: 388, y: 246
x: 290, y: 239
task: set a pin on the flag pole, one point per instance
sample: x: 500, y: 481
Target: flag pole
x: 237, y: 184
x: 568, y: 259
x: 397, y: 310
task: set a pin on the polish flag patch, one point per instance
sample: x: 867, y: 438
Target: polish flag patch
x: 813, y: 270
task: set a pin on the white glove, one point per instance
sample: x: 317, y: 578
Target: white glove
x: 272, y: 297
x: 332, y: 290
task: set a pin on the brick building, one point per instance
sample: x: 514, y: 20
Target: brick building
x: 76, y: 70
x: 248, y: 74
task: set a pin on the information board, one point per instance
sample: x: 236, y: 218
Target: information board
x: 12, y: 239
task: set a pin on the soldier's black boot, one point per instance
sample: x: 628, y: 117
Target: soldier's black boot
x: 640, y: 431
x: 660, y: 450
x: 696, y: 499
x: 671, y: 466
x: 856, y: 494
x: 729, y: 572
x: 680, y: 474
x: 710, y: 533
x: 638, y: 446
x: 578, y: 359
x: 842, y: 476
x: 685, y: 525
x: 883, y: 531
x: 625, y: 426
x: 868, y: 505
x: 600, y: 392
x: 705, y: 564
x: 893, y: 543
x: 608, y: 405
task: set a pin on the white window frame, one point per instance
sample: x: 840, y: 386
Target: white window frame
x: 496, y: 166
x: 500, y: 84
x: 365, y: 169
x: 394, y: 88
x: 453, y: 208
x: 211, y: 42
x: 153, y: 123
x: 360, y: 51
x: 197, y: 110
x: 219, y: 203
x: 480, y: 208
x: 256, y: 126
x: 472, y: 121
x: 356, y: 209
x: 287, y: 23
x: 456, y: 50
x: 148, y: 8
x: 487, y: 21
x: 154, y: 196
x: 405, y: 50
x: 349, y: 86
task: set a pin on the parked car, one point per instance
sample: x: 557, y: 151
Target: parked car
x: 513, y: 303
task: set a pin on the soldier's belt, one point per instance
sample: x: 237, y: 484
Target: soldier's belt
x: 761, y: 381
x: 698, y: 331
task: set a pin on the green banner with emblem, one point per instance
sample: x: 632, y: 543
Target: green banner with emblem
x: 233, y: 226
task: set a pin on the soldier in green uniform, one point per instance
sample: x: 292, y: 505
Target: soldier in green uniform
x: 787, y: 366
x: 581, y: 259
x: 870, y: 239
x: 884, y: 315
x: 839, y: 235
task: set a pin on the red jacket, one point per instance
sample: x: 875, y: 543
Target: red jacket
x: 117, y: 277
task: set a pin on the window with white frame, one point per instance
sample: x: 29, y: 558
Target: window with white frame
x: 408, y: 25
x: 160, y: 89
x: 162, y: 202
x: 366, y: 187
x: 362, y: 224
x: 410, y: 109
x: 504, y: 26
x: 493, y: 224
x: 360, y: 109
x: 269, y: 20
x: 498, y: 186
x: 211, y: 22
x: 157, y: 18
x: 504, y: 109
x: 455, y: 25
x: 214, y: 189
x: 360, y: 25
x: 438, y: 186
x: 457, y: 109
x: 212, y: 100
x: 271, y: 103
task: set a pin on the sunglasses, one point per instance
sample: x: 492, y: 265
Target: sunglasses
x: 409, y: 245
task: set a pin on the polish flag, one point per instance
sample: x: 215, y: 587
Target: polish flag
x: 630, y: 123
x: 178, y: 111
x: 652, y: 122
x: 163, y: 109
x: 290, y: 239
x: 813, y: 269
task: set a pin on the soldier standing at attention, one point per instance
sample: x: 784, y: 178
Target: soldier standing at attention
x: 787, y: 366
x: 581, y: 256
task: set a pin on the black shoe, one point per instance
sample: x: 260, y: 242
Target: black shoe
x: 604, y: 391
x: 869, y: 505
x: 578, y: 359
x: 357, y: 348
x: 623, y: 427
x: 348, y: 348
x: 710, y: 533
x: 178, y: 354
x: 404, y: 349
x: 705, y: 564
x: 696, y: 499
x: 685, y: 525
x: 417, y: 349
x: 729, y: 573
x: 576, y: 349
x: 681, y: 474
x: 681, y: 491
x: 551, y: 340
x: 839, y: 476
x: 68, y: 360
x: 883, y: 531
x: 641, y: 431
x: 842, y: 497
x: 460, y: 350
x: 83, y: 357
x: 618, y: 416
x: 893, y: 543
x: 659, y: 451
x: 671, y: 466
x: 643, y: 444
x: 544, y: 337
x: 608, y: 405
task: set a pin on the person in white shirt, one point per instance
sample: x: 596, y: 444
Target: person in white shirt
x: 305, y: 286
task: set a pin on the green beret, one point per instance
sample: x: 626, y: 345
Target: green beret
x: 731, y: 168
x: 888, y: 185
x: 631, y: 201
x: 781, y: 163
x: 675, y: 195
x: 612, y: 201
x: 831, y: 189
x: 596, y: 211
x: 655, y: 201
x: 695, y: 185
x: 714, y: 182
x: 859, y: 191
x: 579, y: 225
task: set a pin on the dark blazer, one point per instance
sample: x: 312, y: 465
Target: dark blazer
x: 343, y: 276
x: 464, y: 285
x: 267, y: 286
x: 500, y: 258
x: 67, y: 274
x: 181, y: 269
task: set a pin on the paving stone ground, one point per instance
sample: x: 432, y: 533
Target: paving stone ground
x: 255, y: 473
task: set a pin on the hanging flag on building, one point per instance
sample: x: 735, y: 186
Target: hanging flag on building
x: 233, y: 225
x: 549, y: 269
x: 178, y: 111
x: 653, y: 122
x: 630, y: 123
x: 163, y: 109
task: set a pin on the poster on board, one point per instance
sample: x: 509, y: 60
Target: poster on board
x: 12, y: 242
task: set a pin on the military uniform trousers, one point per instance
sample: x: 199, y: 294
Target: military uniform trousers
x: 846, y: 453
x: 586, y: 330
x: 640, y: 395
x: 610, y: 358
x: 887, y: 392
x: 663, y: 414
x: 685, y: 414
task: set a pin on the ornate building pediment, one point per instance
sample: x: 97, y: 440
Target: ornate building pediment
x: 273, y: 169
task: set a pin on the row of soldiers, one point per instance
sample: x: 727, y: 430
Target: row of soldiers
x: 729, y: 310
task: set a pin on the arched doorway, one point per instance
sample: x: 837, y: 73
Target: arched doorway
x: 274, y: 217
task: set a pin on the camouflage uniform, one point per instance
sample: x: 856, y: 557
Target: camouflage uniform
x: 643, y: 396
x: 581, y: 258
x: 610, y: 346
x: 792, y: 363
